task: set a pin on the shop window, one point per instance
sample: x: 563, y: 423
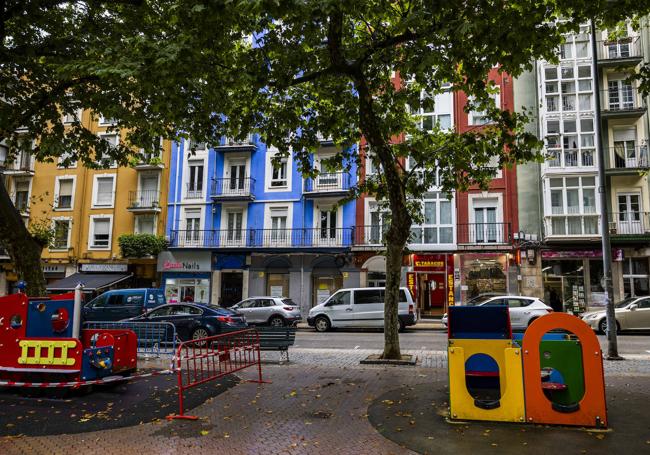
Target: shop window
x: 636, y: 278
x: 277, y: 285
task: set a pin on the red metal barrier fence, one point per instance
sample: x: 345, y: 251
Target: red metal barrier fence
x: 208, y: 359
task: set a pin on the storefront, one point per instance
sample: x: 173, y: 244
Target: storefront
x: 186, y: 275
x: 483, y: 273
x: 573, y: 279
x: 431, y: 279
x: 53, y: 272
x: 230, y: 278
x: 95, y: 277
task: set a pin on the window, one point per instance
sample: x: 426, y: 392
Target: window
x: 105, y: 161
x: 65, y: 161
x: 437, y: 227
x: 279, y: 217
x: 61, y: 234
x: 145, y: 224
x: 100, y: 232
x: 371, y: 165
x: 636, y: 277
x: 193, y: 224
x: 63, y: 197
x: 434, y: 110
x: 71, y: 117
x: 195, y: 182
x: 327, y: 224
x: 21, y: 198
x: 629, y: 218
x: 104, y: 190
x: 277, y: 178
x: 105, y: 121
x: 279, y: 174
x: 480, y: 117
x: 620, y: 95
x: 368, y: 296
x: 575, y: 199
x: 235, y: 224
x: 340, y: 298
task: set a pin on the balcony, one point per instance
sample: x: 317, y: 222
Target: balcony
x: 233, y: 189
x: 571, y: 226
x: 23, y: 165
x: 622, y: 102
x: 626, y: 52
x: 370, y: 236
x: 326, y: 141
x: 149, y: 162
x: 327, y: 184
x: 484, y: 236
x: 628, y: 160
x: 273, y: 239
x: 147, y: 201
x: 231, y: 144
x: 193, y: 191
x: 570, y: 158
x: 629, y: 225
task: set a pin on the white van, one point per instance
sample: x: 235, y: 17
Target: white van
x: 360, y: 307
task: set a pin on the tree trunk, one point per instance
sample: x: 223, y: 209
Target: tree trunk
x: 24, y: 251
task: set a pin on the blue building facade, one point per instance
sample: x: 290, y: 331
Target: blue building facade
x: 239, y: 226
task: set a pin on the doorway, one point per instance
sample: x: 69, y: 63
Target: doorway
x: 231, y: 288
x: 432, y: 298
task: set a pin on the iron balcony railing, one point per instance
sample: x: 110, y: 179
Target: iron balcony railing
x: 570, y: 158
x: 484, y: 233
x: 231, y: 142
x: 373, y: 235
x: 620, y: 50
x: 370, y: 235
x: 327, y: 182
x: 572, y: 225
x: 627, y: 223
x: 147, y: 199
x: 621, y: 99
x: 263, y: 238
x: 232, y: 187
x: 632, y: 157
x: 193, y: 191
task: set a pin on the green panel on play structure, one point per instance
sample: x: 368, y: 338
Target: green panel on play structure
x: 566, y: 358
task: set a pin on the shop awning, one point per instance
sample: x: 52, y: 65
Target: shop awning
x: 90, y: 281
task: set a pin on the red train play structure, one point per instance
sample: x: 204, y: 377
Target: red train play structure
x: 42, y: 344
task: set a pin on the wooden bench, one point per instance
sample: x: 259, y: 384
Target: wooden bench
x: 277, y: 339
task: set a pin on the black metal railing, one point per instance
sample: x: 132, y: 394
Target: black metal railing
x: 248, y: 141
x: 328, y: 182
x: 484, y: 233
x: 147, y: 199
x: 570, y: 157
x: 370, y: 235
x: 232, y: 187
x: 263, y: 238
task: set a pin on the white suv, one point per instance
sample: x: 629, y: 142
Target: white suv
x: 360, y: 307
x: 523, y: 310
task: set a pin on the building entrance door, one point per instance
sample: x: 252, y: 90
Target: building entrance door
x: 231, y: 288
x: 433, y: 296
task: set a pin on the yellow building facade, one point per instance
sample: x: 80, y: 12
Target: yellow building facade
x: 88, y: 210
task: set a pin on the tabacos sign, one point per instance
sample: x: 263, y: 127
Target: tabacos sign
x: 429, y: 262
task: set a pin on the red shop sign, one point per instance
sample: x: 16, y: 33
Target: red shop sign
x: 429, y: 262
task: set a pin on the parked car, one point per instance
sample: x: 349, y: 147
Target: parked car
x: 360, y: 307
x: 523, y: 310
x: 121, y: 304
x: 477, y: 299
x: 195, y: 320
x: 275, y: 311
x: 632, y: 313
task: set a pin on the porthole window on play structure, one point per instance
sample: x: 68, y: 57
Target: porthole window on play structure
x: 563, y: 381
x: 482, y: 380
x: 16, y: 321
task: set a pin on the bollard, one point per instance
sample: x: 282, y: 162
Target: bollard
x: 76, y: 326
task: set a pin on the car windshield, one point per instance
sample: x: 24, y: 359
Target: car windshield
x: 288, y: 302
x: 626, y: 302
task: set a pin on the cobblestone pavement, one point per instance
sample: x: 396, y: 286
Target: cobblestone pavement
x: 317, y: 403
x: 306, y: 410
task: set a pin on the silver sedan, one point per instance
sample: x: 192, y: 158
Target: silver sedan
x: 275, y: 311
x: 632, y: 313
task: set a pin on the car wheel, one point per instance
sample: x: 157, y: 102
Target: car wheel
x: 602, y: 326
x: 198, y: 333
x: 277, y: 321
x: 322, y: 324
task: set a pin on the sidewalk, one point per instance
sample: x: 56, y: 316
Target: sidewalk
x: 422, y: 324
x: 319, y: 406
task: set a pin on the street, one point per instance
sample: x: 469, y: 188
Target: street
x: 628, y: 344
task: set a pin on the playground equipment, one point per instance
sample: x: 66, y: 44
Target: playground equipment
x: 540, y: 377
x: 41, y: 343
